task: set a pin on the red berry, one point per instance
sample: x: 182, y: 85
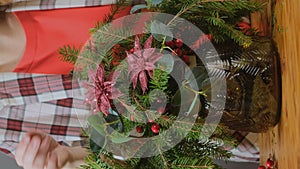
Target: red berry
x: 161, y: 110
x: 139, y: 129
x: 261, y: 167
x: 155, y: 128
x: 171, y: 44
x: 209, y: 36
x: 270, y: 163
x: 186, y: 58
x: 131, y: 50
x: 178, y: 43
x: 178, y: 52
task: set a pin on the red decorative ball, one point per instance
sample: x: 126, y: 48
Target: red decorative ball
x: 155, y: 128
x: 270, y: 163
x: 261, y: 167
x: 139, y: 129
x: 243, y: 26
x: 178, y: 43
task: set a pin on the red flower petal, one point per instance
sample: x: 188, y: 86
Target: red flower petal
x: 134, y: 79
x: 100, y: 75
x: 148, y: 42
x: 104, y: 104
x: 137, y: 45
x: 143, y: 81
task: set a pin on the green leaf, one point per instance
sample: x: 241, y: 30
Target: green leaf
x: 98, y: 132
x: 98, y: 124
x: 97, y: 141
x: 166, y: 63
x: 161, y: 31
x: 119, y: 138
x: 137, y: 7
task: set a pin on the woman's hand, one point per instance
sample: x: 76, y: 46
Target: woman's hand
x: 38, y: 150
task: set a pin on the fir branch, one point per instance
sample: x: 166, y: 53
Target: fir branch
x: 191, y: 163
x: 185, y: 8
x: 161, y: 154
x: 114, y: 10
x: 69, y: 54
x: 166, y: 120
x: 159, y: 80
x: 114, y: 35
x: 234, y: 34
x: 137, y: 101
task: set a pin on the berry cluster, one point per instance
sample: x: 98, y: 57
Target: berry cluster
x: 154, y: 128
x: 177, y: 47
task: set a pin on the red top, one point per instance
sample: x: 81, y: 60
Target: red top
x: 47, y: 31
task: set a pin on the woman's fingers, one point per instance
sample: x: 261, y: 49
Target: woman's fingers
x: 31, y: 152
x: 52, y: 161
x: 21, y: 148
x: 38, y: 150
x: 42, y: 154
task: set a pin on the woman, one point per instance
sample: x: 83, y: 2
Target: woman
x: 29, y: 40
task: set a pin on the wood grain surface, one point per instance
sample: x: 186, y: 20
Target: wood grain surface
x: 283, y: 142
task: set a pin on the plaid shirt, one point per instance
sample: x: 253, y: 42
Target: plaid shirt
x: 23, y: 5
x: 43, y: 102
x: 46, y: 102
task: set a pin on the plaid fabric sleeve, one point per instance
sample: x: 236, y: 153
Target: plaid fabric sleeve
x: 44, y: 102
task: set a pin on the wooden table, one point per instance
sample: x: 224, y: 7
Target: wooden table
x: 283, y: 142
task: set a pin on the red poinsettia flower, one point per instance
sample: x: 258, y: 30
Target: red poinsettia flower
x: 90, y: 94
x: 142, y: 61
x: 101, y: 90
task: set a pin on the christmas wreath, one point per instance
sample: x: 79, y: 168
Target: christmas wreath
x: 148, y: 86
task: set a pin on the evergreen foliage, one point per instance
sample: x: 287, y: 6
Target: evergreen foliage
x: 196, y: 150
x: 218, y: 18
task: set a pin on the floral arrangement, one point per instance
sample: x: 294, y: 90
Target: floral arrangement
x: 145, y: 85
